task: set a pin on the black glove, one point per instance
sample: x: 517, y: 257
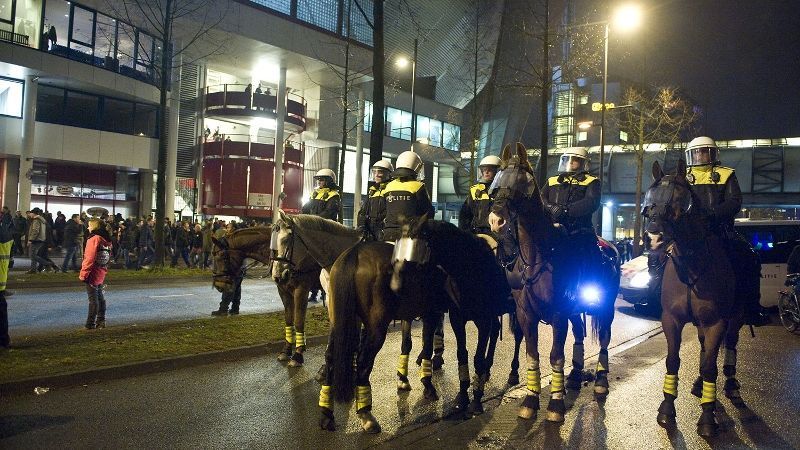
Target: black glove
x: 557, y: 212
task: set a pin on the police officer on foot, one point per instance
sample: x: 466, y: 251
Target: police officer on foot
x: 718, y: 191
x: 474, y: 214
x: 373, y: 211
x: 406, y: 196
x: 325, y: 200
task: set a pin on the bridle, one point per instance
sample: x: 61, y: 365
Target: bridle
x: 228, y: 273
x: 288, y: 254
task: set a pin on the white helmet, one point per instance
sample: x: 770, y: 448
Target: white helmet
x: 490, y: 160
x: 409, y: 164
x: 323, y: 173
x: 702, y: 150
x: 574, y: 154
x: 384, y: 165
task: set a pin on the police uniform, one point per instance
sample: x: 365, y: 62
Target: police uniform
x: 325, y: 202
x: 405, y: 199
x: 373, y: 213
x: 572, y: 200
x: 474, y: 214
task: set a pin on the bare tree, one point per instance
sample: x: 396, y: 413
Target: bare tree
x: 661, y: 115
x: 194, y: 20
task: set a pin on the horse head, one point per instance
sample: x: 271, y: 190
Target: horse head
x: 411, y: 255
x: 227, y: 262
x: 668, y: 200
x: 513, y: 183
x: 288, y: 253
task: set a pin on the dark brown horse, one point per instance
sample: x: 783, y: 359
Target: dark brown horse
x: 546, y: 288
x: 698, y: 287
x: 230, y: 254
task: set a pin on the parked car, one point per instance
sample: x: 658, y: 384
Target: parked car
x: 772, y: 239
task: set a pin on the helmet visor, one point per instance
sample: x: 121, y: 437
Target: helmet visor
x: 572, y: 164
x: 702, y: 155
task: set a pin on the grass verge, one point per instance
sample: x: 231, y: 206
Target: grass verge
x: 113, y: 274
x: 80, y: 350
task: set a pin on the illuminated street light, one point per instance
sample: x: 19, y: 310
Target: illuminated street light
x: 402, y: 62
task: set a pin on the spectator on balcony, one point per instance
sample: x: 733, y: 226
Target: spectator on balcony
x: 249, y: 93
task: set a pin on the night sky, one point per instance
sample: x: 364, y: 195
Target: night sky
x: 739, y: 59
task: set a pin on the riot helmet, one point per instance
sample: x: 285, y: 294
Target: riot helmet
x: 702, y: 151
x: 574, y: 160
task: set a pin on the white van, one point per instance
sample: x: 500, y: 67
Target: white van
x: 774, y: 241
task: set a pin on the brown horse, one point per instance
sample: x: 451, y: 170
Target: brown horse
x: 698, y: 287
x: 254, y: 243
x: 544, y: 280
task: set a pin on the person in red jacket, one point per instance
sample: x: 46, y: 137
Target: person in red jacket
x: 94, y: 270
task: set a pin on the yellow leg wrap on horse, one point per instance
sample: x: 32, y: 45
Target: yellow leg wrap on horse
x: 426, y: 368
x: 463, y: 373
x: 363, y: 397
x: 300, y: 339
x: 289, y: 332
x: 709, y: 392
x: 402, y: 365
x: 671, y: 385
x: 325, y: 397
x: 534, y: 381
x: 557, y: 382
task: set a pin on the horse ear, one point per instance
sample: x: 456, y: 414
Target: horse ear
x: 680, y: 171
x: 283, y: 215
x: 522, y: 154
x: 505, y: 155
x: 657, y: 172
x: 419, y: 224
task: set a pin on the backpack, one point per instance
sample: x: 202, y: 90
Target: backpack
x: 103, y: 256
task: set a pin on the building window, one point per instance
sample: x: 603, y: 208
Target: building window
x: 80, y: 110
x: 564, y: 102
x: 582, y: 136
x: 583, y: 99
x: 56, y: 22
x: 452, y: 136
x: 81, y: 36
x: 562, y: 141
x: 145, y: 122
x: 563, y: 125
x: 11, y: 97
x: 49, y: 104
x: 623, y: 136
x: 359, y: 27
x: 398, y: 124
x: 117, y: 116
x: 367, y: 116
x: 322, y: 13
x: 281, y: 6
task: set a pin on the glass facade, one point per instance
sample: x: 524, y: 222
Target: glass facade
x: 84, y: 110
x: 327, y: 15
x: 433, y: 132
x: 11, y: 92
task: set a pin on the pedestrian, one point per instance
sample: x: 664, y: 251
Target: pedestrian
x: 58, y: 229
x: 169, y: 239
x: 233, y: 298
x: 182, y: 236
x: 145, y: 243
x: 37, y: 234
x: 94, y: 270
x: 6, y: 259
x: 73, y: 243
x: 20, y: 227
x: 208, y: 245
x: 196, y: 242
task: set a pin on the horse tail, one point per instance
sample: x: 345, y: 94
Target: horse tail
x: 343, y: 340
x: 602, y: 318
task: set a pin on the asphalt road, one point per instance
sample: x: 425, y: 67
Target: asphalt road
x: 254, y: 403
x: 35, y: 311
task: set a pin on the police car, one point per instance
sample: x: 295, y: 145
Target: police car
x: 772, y: 239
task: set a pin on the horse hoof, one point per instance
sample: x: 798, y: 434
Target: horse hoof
x: 555, y: 417
x: 526, y: 413
x: 697, y: 387
x: 368, y: 423
x: 297, y: 360
x: 475, y: 408
x: 461, y: 402
x: 403, y: 386
x: 437, y: 362
x: 430, y: 393
x: 600, y: 392
x: 665, y: 420
x: 283, y: 357
x: 513, y: 379
x: 707, y: 430
x: 326, y: 422
x: 530, y: 407
x: 574, y: 380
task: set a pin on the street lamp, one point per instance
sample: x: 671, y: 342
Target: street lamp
x: 625, y: 18
x: 402, y: 63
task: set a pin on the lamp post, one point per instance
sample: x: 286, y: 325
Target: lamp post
x: 402, y: 62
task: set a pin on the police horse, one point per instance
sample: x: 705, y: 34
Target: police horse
x: 254, y: 243
x: 699, y: 288
x: 545, y: 284
x: 366, y: 286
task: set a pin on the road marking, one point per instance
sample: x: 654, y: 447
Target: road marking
x: 172, y: 295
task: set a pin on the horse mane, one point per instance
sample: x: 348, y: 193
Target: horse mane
x: 321, y: 224
x: 248, y: 237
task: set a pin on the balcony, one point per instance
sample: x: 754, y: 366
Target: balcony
x: 235, y: 102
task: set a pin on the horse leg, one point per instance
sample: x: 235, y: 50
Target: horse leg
x: 556, y: 407
x: 530, y: 405
x: 672, y: 332
x: 707, y: 425
x: 326, y: 421
x: 288, y: 314
x: 697, y: 386
x: 462, y: 356
x: 300, y: 304
x: 438, y: 343
x: 575, y: 377
x: 426, y: 367
x: 366, y: 360
x: 513, y: 377
x: 732, y: 385
x: 486, y: 333
x: 402, y: 363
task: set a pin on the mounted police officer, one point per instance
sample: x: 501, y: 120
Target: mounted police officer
x: 474, y: 214
x: 326, y: 203
x: 373, y: 212
x: 406, y: 196
x: 572, y: 197
x: 717, y: 189
x: 325, y: 200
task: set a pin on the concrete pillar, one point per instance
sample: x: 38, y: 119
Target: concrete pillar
x: 28, y: 129
x: 145, y: 193
x: 609, y: 220
x: 201, y: 126
x: 11, y: 184
x: 277, y: 182
x: 359, y: 157
x: 172, y: 150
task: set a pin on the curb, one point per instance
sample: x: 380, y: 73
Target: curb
x: 147, y: 367
x: 39, y: 284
